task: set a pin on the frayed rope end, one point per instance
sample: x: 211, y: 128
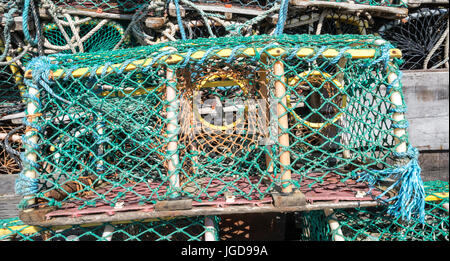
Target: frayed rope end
x: 409, y: 202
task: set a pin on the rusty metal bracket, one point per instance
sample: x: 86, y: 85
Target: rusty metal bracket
x: 296, y: 198
x: 168, y: 205
x: 32, y: 216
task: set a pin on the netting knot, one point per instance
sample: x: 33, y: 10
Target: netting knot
x: 41, y: 68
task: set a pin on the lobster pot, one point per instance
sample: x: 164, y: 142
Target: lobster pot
x: 210, y: 119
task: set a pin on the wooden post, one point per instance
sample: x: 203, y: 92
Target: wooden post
x: 172, y: 129
x: 108, y: 232
x: 31, y: 114
x: 345, y: 136
x: 396, y: 99
x: 265, y: 96
x: 283, y: 138
x: 100, y: 150
x: 210, y: 233
x: 334, y: 225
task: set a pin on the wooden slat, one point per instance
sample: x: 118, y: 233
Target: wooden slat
x: 426, y: 95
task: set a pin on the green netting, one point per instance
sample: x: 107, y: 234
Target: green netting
x: 213, y: 118
x: 374, y: 224
x: 180, y: 229
x: 9, y: 91
x: 10, y: 84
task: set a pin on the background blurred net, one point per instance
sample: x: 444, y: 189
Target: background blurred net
x: 423, y: 37
x: 325, y: 21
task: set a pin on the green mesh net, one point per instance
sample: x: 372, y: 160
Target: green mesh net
x: 373, y: 224
x: 180, y: 229
x: 360, y: 224
x: 96, y: 35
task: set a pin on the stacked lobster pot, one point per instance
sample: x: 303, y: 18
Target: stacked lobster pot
x: 129, y: 113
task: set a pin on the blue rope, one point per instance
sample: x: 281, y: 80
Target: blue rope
x: 282, y: 16
x: 404, y: 124
x: 398, y: 109
x: 317, y: 54
x: 340, y: 54
x: 384, y: 57
x: 394, y: 83
x: 233, y: 53
x: 41, y: 67
x: 180, y: 23
x: 25, y: 185
x: 25, y: 29
x: 410, y: 200
x: 207, y: 53
x: 9, y: 21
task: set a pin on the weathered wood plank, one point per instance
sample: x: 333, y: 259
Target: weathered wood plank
x: 434, y: 165
x: 202, y: 211
x: 426, y: 95
x: 8, y: 206
x: 381, y: 11
x: 417, y: 3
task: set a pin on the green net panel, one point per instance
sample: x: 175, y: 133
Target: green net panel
x: 373, y: 224
x: 325, y: 22
x: 9, y: 89
x: 219, y: 119
x: 180, y: 229
x: 98, y: 37
x: 11, y: 83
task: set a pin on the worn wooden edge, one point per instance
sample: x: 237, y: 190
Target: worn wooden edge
x: 296, y: 198
x: 150, y: 21
x: 168, y: 205
x: 197, y: 211
x: 417, y: 3
x: 381, y: 11
x: 232, y: 9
